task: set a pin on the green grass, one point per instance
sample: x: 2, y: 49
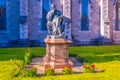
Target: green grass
x: 18, y: 53
x: 106, y: 58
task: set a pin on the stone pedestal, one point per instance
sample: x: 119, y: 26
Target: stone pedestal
x: 57, y: 54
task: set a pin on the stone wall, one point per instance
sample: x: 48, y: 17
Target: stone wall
x: 115, y: 34
x: 110, y: 35
x: 10, y: 36
x: 85, y: 37
x: 30, y: 12
x: 59, y: 4
x: 35, y: 22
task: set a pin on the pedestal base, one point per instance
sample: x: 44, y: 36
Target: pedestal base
x: 58, y: 64
x: 39, y: 65
x: 57, y: 54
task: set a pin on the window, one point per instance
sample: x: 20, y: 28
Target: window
x: 117, y: 22
x: 45, y: 9
x: 2, y: 15
x: 84, y: 15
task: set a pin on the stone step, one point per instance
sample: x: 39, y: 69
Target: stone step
x: 38, y: 64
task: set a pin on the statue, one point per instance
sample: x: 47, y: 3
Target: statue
x: 55, y: 22
x: 57, y: 41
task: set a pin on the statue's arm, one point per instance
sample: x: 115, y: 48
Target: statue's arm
x: 48, y: 16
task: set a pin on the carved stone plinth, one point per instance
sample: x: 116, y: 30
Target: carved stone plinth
x: 57, y: 54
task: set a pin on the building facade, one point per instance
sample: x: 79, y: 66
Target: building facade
x: 23, y: 22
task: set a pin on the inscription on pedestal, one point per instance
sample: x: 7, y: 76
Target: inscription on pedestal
x: 59, y: 55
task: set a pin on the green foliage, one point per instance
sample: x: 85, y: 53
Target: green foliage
x: 67, y: 70
x: 104, y: 57
x: 49, y: 71
x: 96, y: 54
x: 29, y: 73
x: 28, y: 57
x: 89, y: 68
x: 9, y: 53
x: 17, y: 67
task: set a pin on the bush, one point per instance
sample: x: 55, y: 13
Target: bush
x: 17, y: 67
x: 88, y: 68
x: 29, y: 73
x: 49, y: 71
x: 28, y: 57
x: 67, y: 70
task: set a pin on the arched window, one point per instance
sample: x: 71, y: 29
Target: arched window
x: 117, y: 25
x: 2, y: 15
x: 84, y: 15
x: 45, y: 9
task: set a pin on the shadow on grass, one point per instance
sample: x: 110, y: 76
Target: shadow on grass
x: 92, y: 54
x: 100, y: 59
x: 96, y: 58
x: 79, y: 58
x: 18, y: 53
x: 96, y: 54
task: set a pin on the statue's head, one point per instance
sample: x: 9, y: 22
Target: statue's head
x: 53, y: 6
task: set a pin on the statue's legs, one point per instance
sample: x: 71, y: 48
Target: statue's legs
x: 49, y: 27
x: 59, y: 31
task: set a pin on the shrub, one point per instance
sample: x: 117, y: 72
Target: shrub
x: 28, y: 57
x: 17, y: 67
x: 67, y: 70
x: 88, y: 68
x: 49, y: 71
x: 29, y: 73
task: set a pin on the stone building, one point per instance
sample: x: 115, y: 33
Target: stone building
x: 23, y: 22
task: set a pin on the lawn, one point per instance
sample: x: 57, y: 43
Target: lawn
x: 106, y: 58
